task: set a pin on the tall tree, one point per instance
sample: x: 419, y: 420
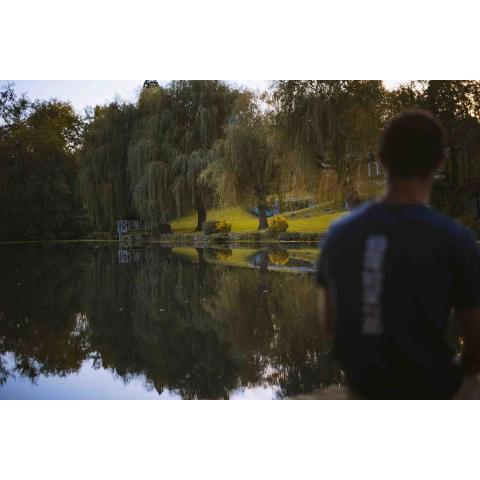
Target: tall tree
x: 190, y: 187
x: 331, y: 126
x: 103, y: 176
x: 38, y: 149
x: 203, y: 109
x: 150, y: 84
x: 246, y: 171
x: 405, y: 96
x: 176, y: 128
x: 457, y: 104
x: 150, y: 154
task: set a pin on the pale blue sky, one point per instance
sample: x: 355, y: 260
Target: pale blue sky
x: 97, y: 92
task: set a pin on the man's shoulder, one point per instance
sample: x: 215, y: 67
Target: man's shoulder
x: 448, y: 227
x: 352, y: 218
x: 423, y: 217
x: 340, y: 227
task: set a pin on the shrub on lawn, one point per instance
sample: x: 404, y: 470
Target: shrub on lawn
x: 217, y: 226
x: 224, y: 227
x: 277, y: 225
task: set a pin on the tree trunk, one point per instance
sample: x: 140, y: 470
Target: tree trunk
x: 202, y: 263
x: 346, y: 187
x: 262, y: 218
x: 263, y: 264
x: 201, y: 218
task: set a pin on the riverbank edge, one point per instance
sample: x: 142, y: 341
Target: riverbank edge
x: 194, y: 238
x: 234, y: 237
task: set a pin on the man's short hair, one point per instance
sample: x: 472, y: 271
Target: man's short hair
x: 412, y: 145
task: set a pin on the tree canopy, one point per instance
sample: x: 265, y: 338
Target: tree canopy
x: 187, y: 146
x: 329, y: 126
x: 246, y: 170
x: 103, y: 165
x: 39, y: 143
x: 176, y: 128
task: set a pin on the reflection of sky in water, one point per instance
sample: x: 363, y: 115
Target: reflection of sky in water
x: 99, y: 384
x: 256, y: 393
x: 87, y: 383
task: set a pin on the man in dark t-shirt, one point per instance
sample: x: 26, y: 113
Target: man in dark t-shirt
x: 394, y: 269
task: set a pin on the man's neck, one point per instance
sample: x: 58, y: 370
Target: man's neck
x: 407, y: 191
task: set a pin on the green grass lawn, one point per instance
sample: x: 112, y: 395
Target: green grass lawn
x: 309, y: 220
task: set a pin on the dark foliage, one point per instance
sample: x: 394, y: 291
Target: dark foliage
x: 38, y: 170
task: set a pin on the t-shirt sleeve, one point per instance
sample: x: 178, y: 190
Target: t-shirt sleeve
x: 322, y: 262
x: 466, y: 279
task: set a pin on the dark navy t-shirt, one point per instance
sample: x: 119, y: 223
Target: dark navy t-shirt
x: 394, y: 273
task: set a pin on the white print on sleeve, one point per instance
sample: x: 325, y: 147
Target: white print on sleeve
x: 372, y: 284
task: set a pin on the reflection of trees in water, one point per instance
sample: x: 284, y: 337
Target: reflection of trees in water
x: 39, y: 299
x: 4, y: 371
x: 163, y: 332
x: 275, y: 329
x: 201, y: 330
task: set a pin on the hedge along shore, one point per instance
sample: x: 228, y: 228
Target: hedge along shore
x: 239, y: 237
x: 194, y: 238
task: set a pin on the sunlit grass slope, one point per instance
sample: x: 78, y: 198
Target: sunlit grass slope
x: 241, y: 220
x: 309, y: 220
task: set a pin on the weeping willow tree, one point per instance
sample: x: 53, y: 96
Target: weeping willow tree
x: 150, y: 155
x: 103, y: 177
x: 203, y: 110
x: 246, y: 170
x: 190, y: 187
x: 329, y: 128
x: 171, y: 147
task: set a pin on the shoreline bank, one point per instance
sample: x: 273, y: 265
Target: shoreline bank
x: 194, y: 239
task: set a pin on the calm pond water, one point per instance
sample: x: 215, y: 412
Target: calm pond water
x: 91, y: 321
